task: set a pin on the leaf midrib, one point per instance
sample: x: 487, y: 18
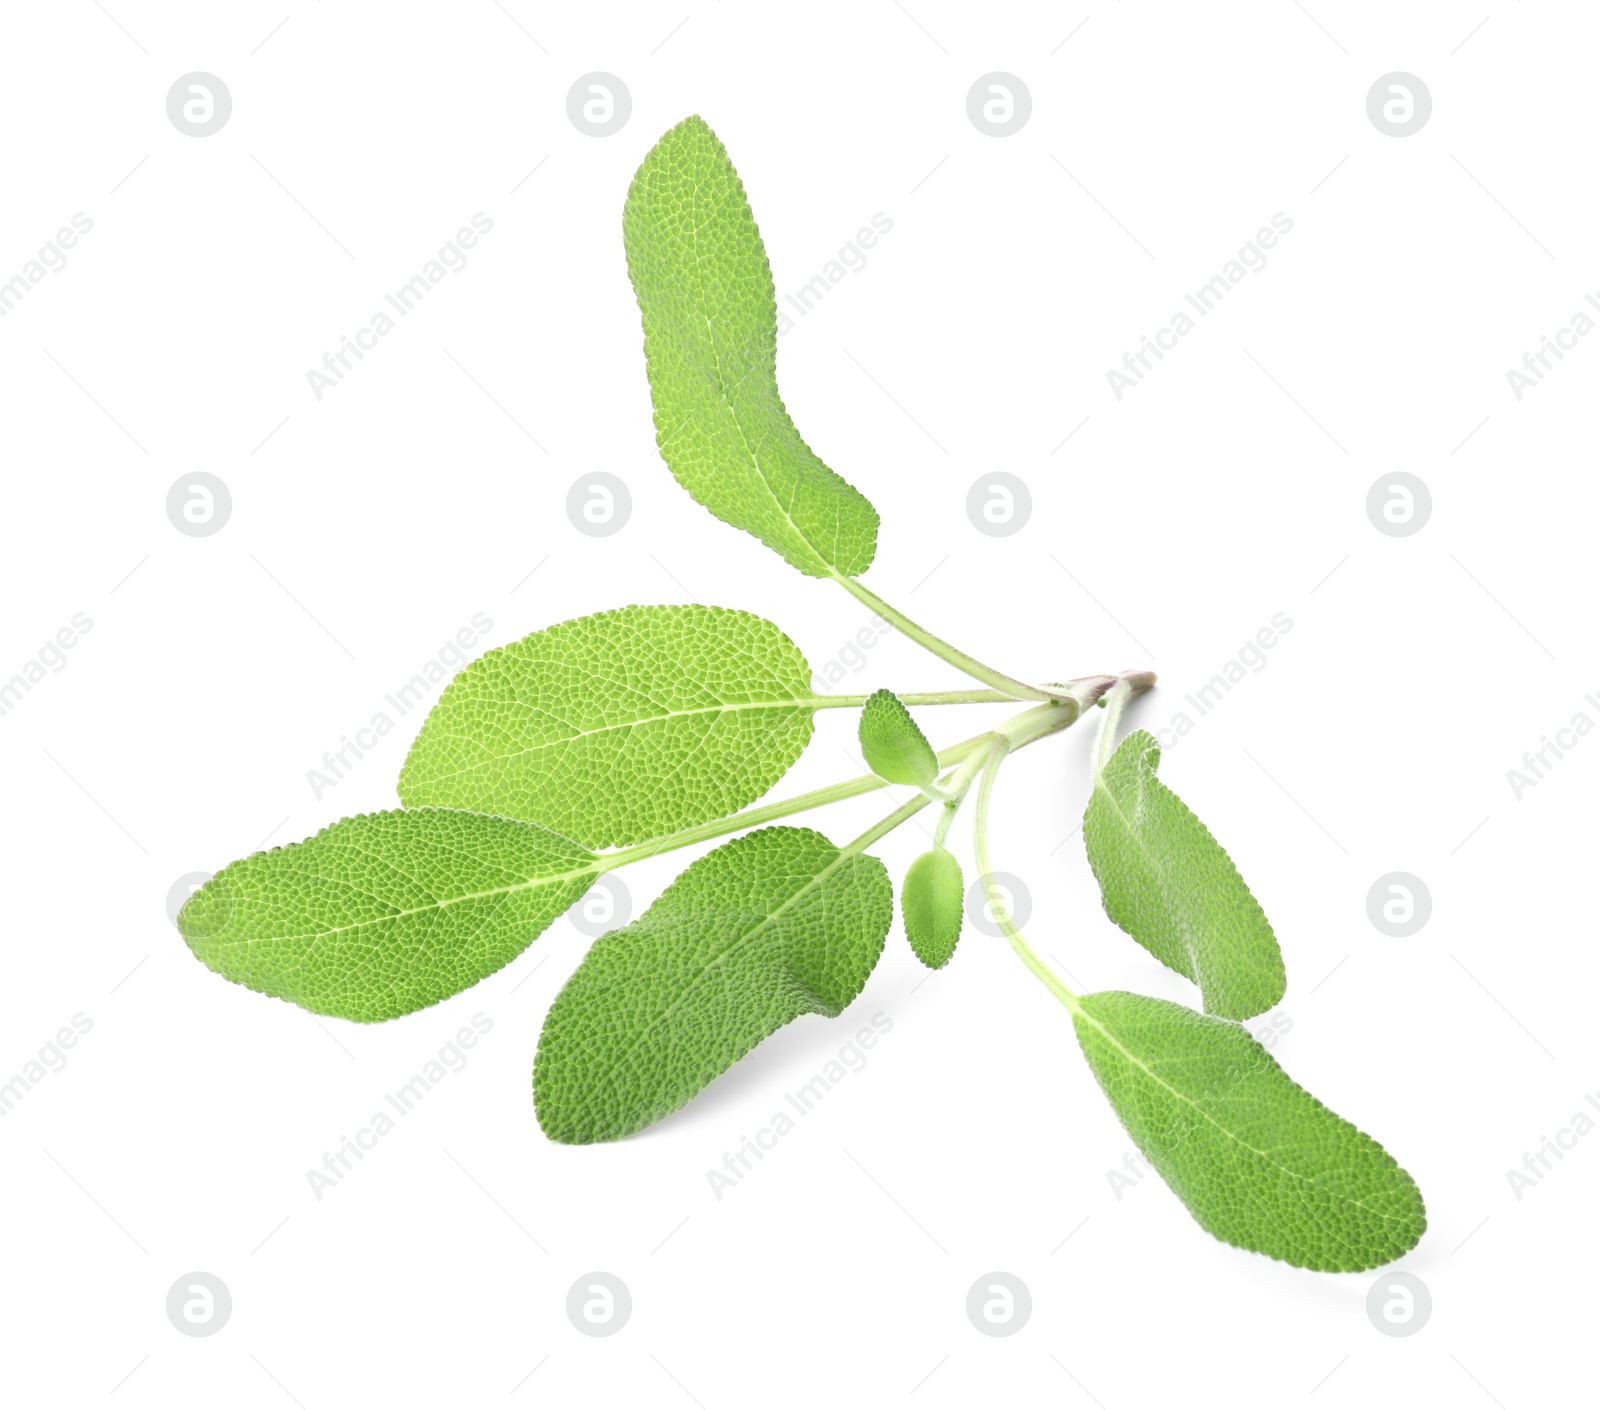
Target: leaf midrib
x: 736, y: 944
x: 716, y: 358
x: 1231, y: 1135
x: 810, y: 702
x: 436, y: 906
x: 1155, y: 870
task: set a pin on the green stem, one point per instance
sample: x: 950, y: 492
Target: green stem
x: 1125, y: 688
x: 907, y: 810
x: 1021, y: 729
x: 1012, y: 689
x: 954, y: 788
x: 1106, y: 743
x: 1016, y: 733
x: 925, y: 697
x: 751, y: 817
x: 1118, y: 691
x: 980, y: 846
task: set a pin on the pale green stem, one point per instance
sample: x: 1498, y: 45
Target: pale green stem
x: 770, y: 812
x: 1106, y: 743
x: 1009, y: 686
x: 905, y: 811
x: 1021, y: 729
x: 1125, y: 688
x: 980, y: 846
x: 1016, y: 733
x: 954, y: 788
x: 924, y: 697
x: 1118, y: 692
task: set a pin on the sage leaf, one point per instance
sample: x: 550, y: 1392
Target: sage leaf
x: 618, y: 727
x: 930, y: 904
x: 704, y: 288
x: 894, y: 748
x: 385, y: 913
x: 1258, y: 1161
x: 1167, y: 882
x: 775, y: 924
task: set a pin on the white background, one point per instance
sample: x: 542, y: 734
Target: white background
x: 1173, y: 524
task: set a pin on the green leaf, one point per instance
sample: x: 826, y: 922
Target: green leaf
x: 775, y: 924
x: 385, y: 913
x: 930, y: 903
x: 894, y: 748
x: 1259, y: 1161
x: 700, y: 273
x: 1167, y: 881
x: 618, y: 727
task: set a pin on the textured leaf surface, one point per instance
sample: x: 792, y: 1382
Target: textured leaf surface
x: 930, y: 903
x: 773, y: 925
x: 385, y: 913
x: 1167, y: 881
x: 893, y: 746
x: 1258, y: 1160
x: 700, y: 273
x: 618, y: 727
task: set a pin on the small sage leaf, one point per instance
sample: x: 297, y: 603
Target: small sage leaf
x: 894, y: 748
x: 930, y: 904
